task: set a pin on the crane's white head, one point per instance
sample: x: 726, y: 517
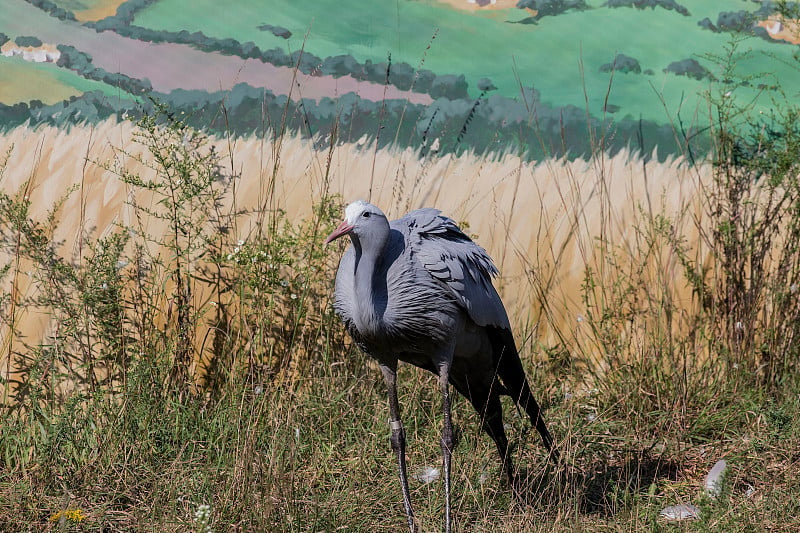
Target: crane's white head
x: 354, y: 210
x: 359, y: 217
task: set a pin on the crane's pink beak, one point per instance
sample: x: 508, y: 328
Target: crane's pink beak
x: 342, y: 229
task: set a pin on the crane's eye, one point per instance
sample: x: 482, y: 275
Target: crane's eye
x: 365, y: 214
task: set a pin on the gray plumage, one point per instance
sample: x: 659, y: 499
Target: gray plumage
x: 428, y: 272
x: 419, y: 290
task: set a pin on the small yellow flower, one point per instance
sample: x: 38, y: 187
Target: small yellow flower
x: 73, y: 515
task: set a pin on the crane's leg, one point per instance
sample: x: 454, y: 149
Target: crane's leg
x: 448, y: 441
x: 398, y: 438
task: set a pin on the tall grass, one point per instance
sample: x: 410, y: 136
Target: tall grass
x: 169, y: 342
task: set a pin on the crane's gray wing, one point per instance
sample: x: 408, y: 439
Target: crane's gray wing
x: 452, y: 258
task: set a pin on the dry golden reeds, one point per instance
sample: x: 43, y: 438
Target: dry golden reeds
x: 545, y: 223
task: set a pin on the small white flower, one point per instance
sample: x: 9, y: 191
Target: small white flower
x: 591, y: 417
x: 580, y: 318
x: 258, y: 390
x: 230, y: 256
x: 739, y: 326
x: 240, y: 242
x: 203, y: 516
x: 236, y: 250
x: 104, y: 286
x: 202, y: 510
x: 284, y: 283
x: 293, y: 296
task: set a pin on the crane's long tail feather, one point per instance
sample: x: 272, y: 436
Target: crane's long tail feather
x: 511, y: 373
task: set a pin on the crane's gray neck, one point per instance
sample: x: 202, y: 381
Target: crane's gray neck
x: 370, y: 281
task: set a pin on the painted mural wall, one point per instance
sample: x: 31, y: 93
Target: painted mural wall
x: 532, y: 77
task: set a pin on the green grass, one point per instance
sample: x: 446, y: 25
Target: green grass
x: 314, y: 456
x: 546, y: 56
